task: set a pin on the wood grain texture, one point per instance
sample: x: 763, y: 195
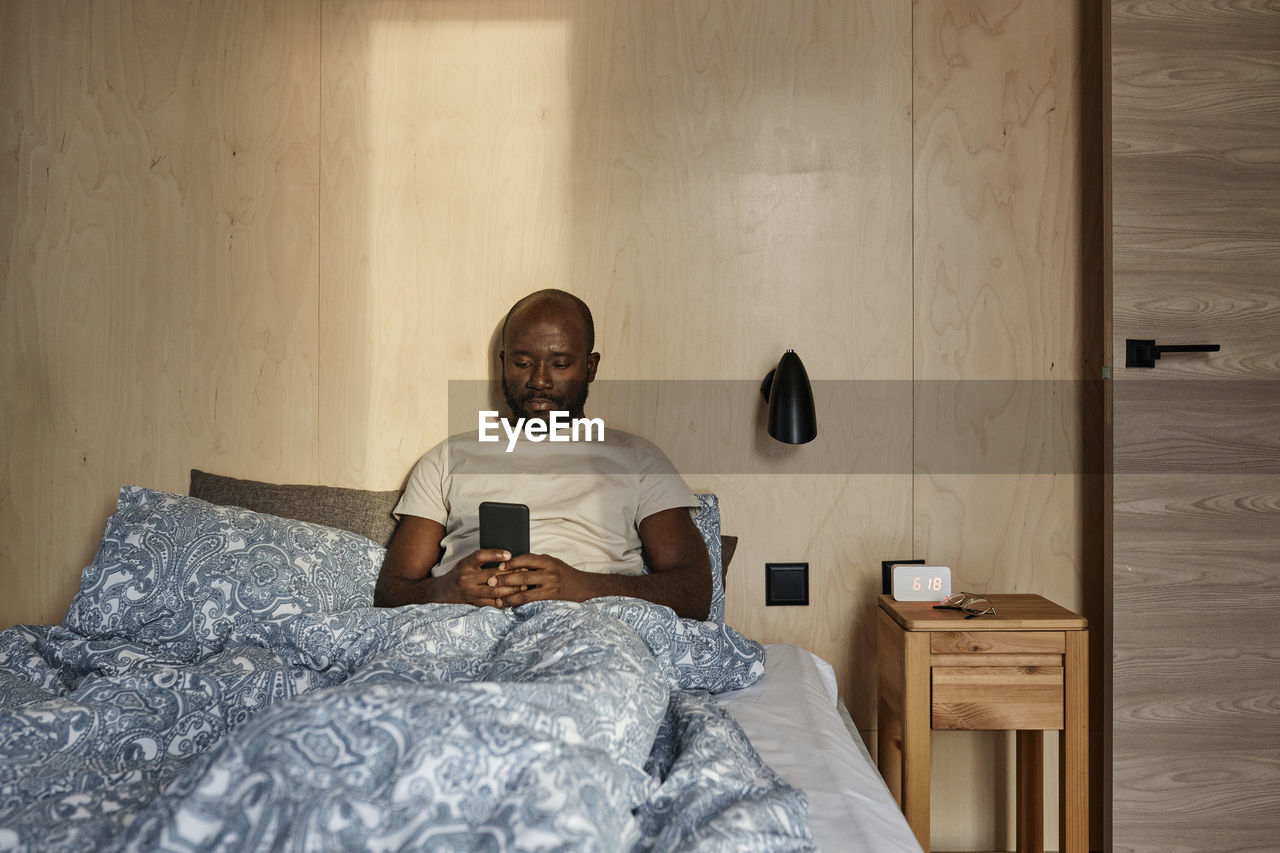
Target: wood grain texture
x: 999, y: 192
x: 1007, y: 286
x: 1030, y: 759
x: 686, y: 170
x: 1074, y: 828
x: 1197, y: 426
x: 303, y: 221
x: 889, y: 698
x: 987, y: 644
x: 1016, y: 614
x: 1227, y: 812
x: 916, y: 739
x: 839, y: 624
x: 718, y: 181
x: 446, y: 165
x: 158, y: 252
x: 1211, y: 540
x: 995, y: 660
x: 997, y: 697
x: 1196, y: 576
x: 980, y: 695
x: 1210, y: 26
x: 1009, y: 532
x: 1196, y: 208
x: 748, y: 163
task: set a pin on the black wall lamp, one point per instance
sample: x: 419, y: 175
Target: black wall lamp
x: 786, y: 388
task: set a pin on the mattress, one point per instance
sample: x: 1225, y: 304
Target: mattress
x: 792, y: 718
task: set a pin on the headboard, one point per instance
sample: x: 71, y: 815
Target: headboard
x: 357, y: 510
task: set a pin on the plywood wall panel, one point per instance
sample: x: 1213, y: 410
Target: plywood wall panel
x: 1000, y: 157
x: 739, y: 170
x: 445, y: 171
x: 1005, y: 289
x: 842, y: 527
x: 158, y: 233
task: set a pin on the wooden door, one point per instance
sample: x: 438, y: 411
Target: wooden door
x: 1195, y: 212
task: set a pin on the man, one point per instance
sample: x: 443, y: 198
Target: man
x: 597, y: 523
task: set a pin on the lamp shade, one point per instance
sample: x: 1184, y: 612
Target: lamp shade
x: 792, y: 418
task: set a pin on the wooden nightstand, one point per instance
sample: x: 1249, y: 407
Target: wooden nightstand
x: 1024, y: 668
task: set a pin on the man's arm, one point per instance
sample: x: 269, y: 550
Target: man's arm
x: 680, y: 572
x: 680, y: 568
x: 406, y: 577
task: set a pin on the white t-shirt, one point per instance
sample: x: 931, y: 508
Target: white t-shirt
x: 586, y: 499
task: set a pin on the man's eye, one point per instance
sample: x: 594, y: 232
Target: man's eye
x: 564, y: 366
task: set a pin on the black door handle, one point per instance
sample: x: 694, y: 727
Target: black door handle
x: 1144, y: 353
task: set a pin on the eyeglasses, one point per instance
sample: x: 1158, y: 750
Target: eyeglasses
x: 972, y: 605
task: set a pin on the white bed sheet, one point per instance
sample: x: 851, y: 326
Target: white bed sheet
x: 791, y: 716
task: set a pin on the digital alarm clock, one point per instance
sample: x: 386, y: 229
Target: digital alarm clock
x: 921, y: 583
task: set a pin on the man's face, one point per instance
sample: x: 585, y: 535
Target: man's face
x: 545, y: 363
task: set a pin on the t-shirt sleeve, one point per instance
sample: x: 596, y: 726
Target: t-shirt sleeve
x: 661, y: 486
x: 424, y: 493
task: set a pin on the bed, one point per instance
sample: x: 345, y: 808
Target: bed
x: 797, y: 724
x: 220, y: 683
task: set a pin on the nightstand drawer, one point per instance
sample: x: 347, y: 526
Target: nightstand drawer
x: 977, y: 642
x: 996, y: 697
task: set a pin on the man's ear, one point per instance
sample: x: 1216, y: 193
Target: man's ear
x: 593, y: 361
x: 502, y: 358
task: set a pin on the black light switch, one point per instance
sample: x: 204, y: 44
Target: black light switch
x: 786, y: 583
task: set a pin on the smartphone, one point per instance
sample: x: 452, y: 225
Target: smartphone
x: 505, y: 526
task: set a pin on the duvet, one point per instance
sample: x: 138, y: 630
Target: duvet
x: 210, y: 692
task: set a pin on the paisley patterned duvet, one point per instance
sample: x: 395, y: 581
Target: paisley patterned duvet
x: 554, y: 726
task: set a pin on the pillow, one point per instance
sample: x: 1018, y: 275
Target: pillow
x: 179, y: 571
x: 364, y: 512
x: 728, y: 544
x: 708, y: 524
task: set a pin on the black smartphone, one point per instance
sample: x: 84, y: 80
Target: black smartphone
x: 505, y: 526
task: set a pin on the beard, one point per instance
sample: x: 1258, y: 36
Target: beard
x: 572, y: 400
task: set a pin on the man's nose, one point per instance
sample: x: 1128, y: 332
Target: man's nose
x: 540, y: 377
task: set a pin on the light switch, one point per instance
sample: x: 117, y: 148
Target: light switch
x: 786, y: 584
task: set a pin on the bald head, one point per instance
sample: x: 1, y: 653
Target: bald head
x: 556, y: 301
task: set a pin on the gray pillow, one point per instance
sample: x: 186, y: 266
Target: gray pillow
x: 356, y: 510
x: 728, y: 544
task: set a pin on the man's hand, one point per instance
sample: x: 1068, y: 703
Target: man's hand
x: 468, y: 583
x: 679, y: 577
x: 540, y: 577
x: 406, y: 570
